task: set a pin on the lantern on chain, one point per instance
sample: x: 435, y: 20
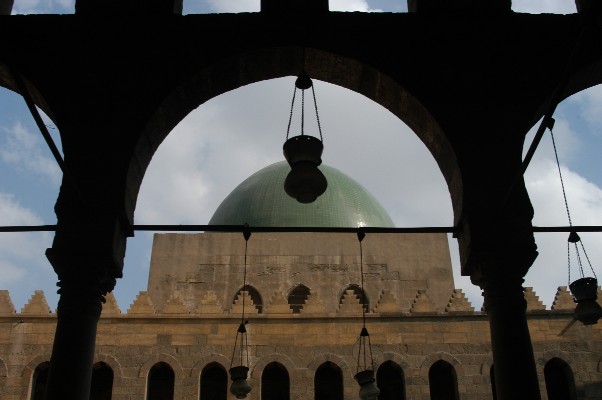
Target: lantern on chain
x: 305, y: 182
x: 584, y: 289
x: 240, y: 387
x: 365, y: 363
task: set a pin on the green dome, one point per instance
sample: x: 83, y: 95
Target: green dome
x: 261, y: 201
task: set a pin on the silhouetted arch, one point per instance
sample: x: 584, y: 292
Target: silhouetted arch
x: 240, y: 69
x: 214, y: 382
x: 160, y: 383
x: 560, y: 381
x: 102, y: 382
x: 275, y: 382
x: 359, y: 293
x: 492, y: 379
x: 443, y: 381
x: 297, y: 298
x: 328, y: 382
x: 39, y: 380
x: 390, y: 380
x: 255, y: 296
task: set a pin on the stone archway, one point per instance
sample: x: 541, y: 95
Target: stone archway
x: 271, y: 63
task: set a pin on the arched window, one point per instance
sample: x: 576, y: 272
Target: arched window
x: 102, y: 382
x: 492, y: 378
x: 328, y: 382
x: 275, y: 383
x: 255, y: 296
x: 161, y: 379
x: 39, y: 379
x: 359, y: 293
x: 297, y: 298
x: 391, y: 382
x: 443, y: 382
x: 560, y: 382
x: 214, y: 382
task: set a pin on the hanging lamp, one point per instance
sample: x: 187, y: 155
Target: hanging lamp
x: 584, y: 289
x: 305, y: 182
x: 240, y: 387
x: 365, y: 362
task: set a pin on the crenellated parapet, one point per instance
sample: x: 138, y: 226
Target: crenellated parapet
x: 280, y: 306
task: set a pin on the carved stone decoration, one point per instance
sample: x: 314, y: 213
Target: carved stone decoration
x: 174, y: 305
x: 387, y: 303
x: 533, y: 302
x: 249, y: 305
x: 279, y: 304
x: 350, y: 304
x: 110, y: 307
x: 6, y: 304
x: 422, y: 303
x: 37, y: 305
x: 209, y: 304
x: 313, y: 305
x: 563, y: 300
x: 142, y: 305
x: 458, y: 303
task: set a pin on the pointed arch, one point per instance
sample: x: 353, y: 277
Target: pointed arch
x: 297, y: 297
x: 443, y: 381
x: 282, y: 359
x: 275, y: 382
x: 111, y: 362
x: 254, y: 294
x: 214, y: 382
x: 102, y: 381
x: 165, y: 358
x: 359, y: 293
x: 160, y: 383
x: 38, y: 381
x: 249, y: 67
x: 560, y: 381
x: 390, y: 379
x: 328, y: 382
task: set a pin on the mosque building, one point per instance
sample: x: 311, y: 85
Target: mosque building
x: 303, y: 299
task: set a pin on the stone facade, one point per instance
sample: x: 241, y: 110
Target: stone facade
x: 189, y: 316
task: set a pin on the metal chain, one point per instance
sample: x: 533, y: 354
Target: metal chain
x: 587, y: 258
x: 290, y: 118
x: 568, y: 255
x: 313, y: 91
x: 302, y: 111
x: 566, y: 204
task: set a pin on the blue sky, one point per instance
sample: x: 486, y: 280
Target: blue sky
x: 191, y: 173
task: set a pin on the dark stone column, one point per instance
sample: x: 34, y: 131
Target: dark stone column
x: 497, y: 249
x: 79, y: 307
x: 87, y: 255
x: 501, y: 278
x: 6, y: 7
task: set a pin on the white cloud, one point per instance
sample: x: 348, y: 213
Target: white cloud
x: 351, y: 5
x: 544, y: 6
x: 229, y: 6
x: 10, y: 274
x: 23, y: 265
x: 585, y: 203
x: 25, y: 150
x: 590, y: 103
x: 44, y: 6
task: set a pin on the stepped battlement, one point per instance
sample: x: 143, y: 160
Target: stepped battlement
x: 280, y: 305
